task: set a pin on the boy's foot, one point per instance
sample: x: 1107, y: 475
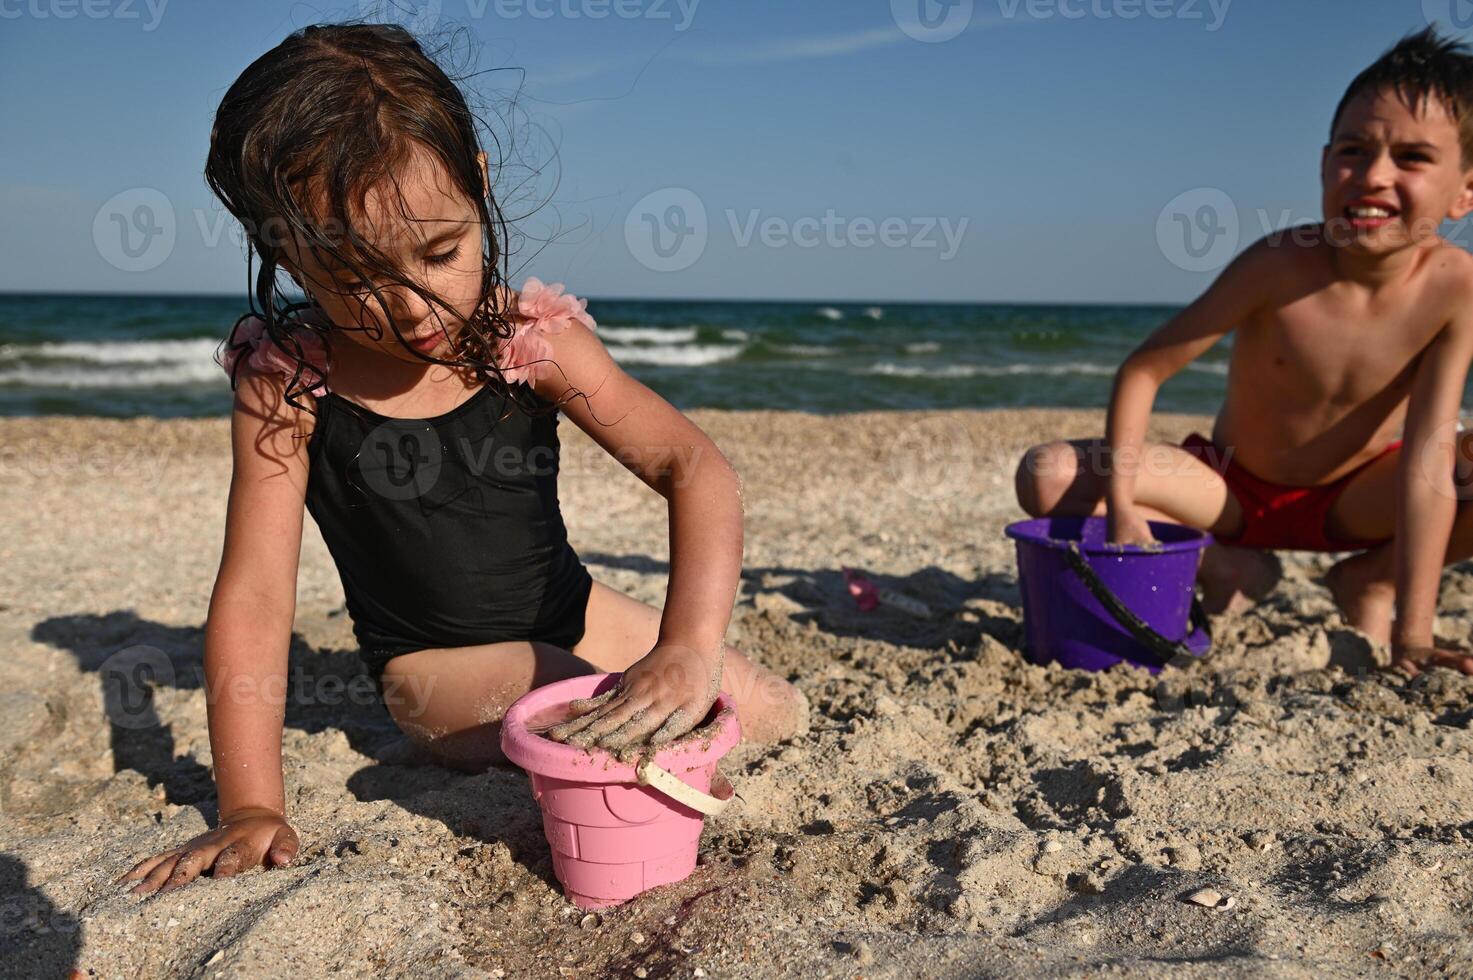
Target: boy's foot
x: 1234, y: 578
x: 1364, y: 587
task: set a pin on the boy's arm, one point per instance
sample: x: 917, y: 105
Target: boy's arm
x: 1426, y: 495
x: 1230, y: 300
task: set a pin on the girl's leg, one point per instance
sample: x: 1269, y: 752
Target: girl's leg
x: 620, y: 630
x: 450, y: 701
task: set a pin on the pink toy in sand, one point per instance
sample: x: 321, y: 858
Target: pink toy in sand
x: 868, y: 596
x: 616, y: 829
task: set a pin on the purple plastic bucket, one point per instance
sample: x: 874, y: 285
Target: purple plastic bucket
x: 1088, y: 604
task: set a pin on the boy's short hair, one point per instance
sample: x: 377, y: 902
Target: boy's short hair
x: 1422, y: 67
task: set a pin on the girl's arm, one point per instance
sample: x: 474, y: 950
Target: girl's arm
x: 254, y: 601
x: 247, y: 636
x: 1229, y: 301
x: 1426, y: 501
x: 669, y: 691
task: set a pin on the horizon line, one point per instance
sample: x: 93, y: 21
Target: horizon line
x: 829, y: 301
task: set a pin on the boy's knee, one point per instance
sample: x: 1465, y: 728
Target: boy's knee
x: 1044, y: 474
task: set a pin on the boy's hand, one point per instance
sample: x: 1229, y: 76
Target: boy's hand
x: 1124, y: 525
x: 659, y: 698
x: 250, y: 838
x: 1411, y: 660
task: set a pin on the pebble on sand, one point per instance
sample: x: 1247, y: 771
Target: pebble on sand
x: 1211, y: 898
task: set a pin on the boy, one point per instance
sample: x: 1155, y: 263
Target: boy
x: 1347, y: 332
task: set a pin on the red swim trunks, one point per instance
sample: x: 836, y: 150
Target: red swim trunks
x: 1276, y: 516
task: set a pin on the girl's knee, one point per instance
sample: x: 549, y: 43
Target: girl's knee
x: 770, y: 708
x: 799, y: 713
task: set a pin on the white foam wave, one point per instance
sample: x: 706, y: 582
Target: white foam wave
x: 874, y: 312
x: 1208, y: 367
x: 988, y: 370
x: 926, y: 347
x: 111, y: 364
x: 32, y: 376
x: 113, y: 351
x: 807, y: 350
x: 648, y: 335
x: 693, y: 356
x: 734, y: 334
x: 829, y: 313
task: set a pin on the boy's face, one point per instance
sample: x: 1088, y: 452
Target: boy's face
x: 1391, y: 176
x: 434, y: 237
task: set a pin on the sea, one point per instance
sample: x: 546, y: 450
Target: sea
x: 131, y: 355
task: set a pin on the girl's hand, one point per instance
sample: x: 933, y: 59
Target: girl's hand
x: 660, y: 698
x: 1124, y: 525
x: 1412, y: 660
x: 247, y: 839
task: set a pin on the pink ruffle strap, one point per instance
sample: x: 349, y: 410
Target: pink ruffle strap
x: 266, y: 357
x: 540, y: 309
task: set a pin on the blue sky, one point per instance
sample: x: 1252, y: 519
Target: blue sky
x: 1049, y: 151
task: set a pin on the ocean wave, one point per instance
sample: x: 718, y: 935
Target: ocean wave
x: 987, y: 370
x: 1047, y: 342
x: 648, y: 335
x: 924, y: 347
x: 113, y: 351
x: 693, y: 356
x: 735, y: 334
x: 805, y: 350
x: 99, y: 364
x: 1208, y: 367
x: 828, y: 313
x: 874, y: 312
x: 78, y: 376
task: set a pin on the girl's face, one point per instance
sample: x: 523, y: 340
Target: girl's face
x: 433, y: 237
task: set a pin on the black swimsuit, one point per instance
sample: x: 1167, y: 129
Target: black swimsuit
x: 446, y: 531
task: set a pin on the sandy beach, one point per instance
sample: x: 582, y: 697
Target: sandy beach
x: 954, y: 811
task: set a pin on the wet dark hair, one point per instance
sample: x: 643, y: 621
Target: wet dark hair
x: 299, y: 141
x: 1421, y: 67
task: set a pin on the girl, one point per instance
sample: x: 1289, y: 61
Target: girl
x: 428, y: 453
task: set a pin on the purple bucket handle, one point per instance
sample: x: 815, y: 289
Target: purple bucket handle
x: 1155, y: 647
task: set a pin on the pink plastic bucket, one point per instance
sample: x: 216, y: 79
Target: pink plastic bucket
x: 615, y: 830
